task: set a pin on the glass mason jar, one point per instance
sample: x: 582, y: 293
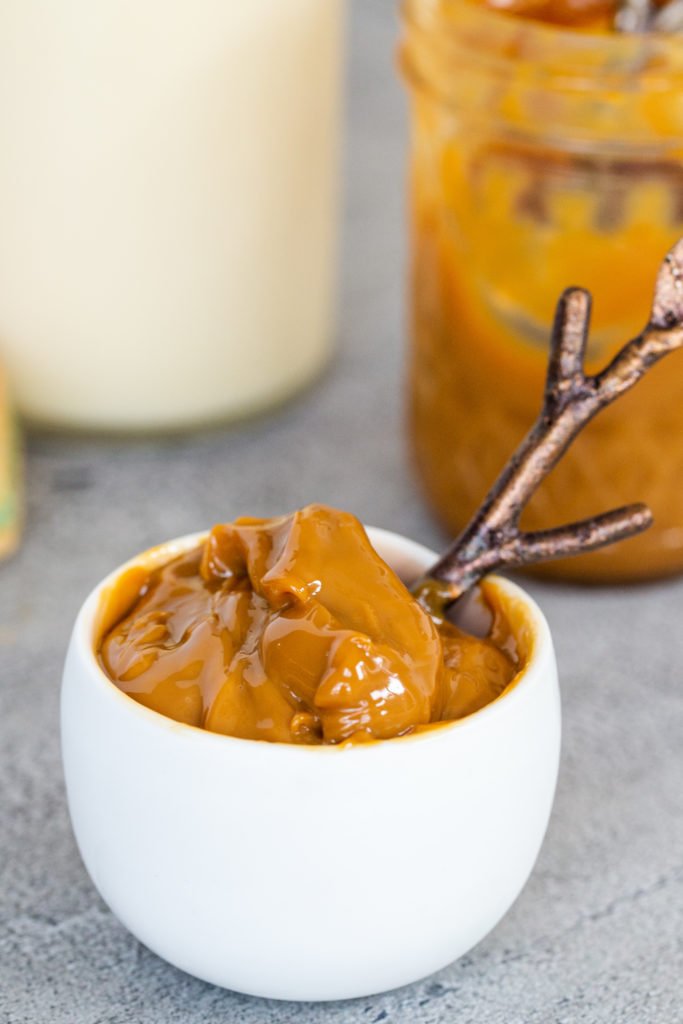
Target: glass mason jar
x: 541, y: 158
x: 168, y: 202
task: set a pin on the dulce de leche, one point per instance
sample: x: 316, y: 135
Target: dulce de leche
x: 294, y: 630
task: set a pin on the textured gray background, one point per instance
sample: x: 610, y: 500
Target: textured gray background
x: 597, y: 933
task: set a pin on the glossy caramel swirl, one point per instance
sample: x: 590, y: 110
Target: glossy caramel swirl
x: 294, y: 630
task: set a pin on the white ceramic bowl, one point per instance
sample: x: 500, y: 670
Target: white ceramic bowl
x: 299, y: 872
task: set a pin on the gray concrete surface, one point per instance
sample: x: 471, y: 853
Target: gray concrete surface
x: 596, y: 935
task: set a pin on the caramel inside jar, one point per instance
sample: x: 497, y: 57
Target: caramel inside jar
x: 294, y: 630
x: 546, y: 152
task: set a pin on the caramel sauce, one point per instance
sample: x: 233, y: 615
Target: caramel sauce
x: 294, y: 630
x: 590, y: 15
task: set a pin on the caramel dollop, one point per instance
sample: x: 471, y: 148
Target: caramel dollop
x: 293, y: 629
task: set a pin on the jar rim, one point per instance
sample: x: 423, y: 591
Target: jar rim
x: 578, y: 59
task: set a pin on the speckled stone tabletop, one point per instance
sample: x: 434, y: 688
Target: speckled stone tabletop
x: 597, y: 934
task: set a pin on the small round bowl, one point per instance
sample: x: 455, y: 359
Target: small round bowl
x: 310, y: 873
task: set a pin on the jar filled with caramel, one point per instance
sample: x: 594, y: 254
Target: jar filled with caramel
x: 547, y: 151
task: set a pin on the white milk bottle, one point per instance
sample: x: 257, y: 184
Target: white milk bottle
x: 168, y: 186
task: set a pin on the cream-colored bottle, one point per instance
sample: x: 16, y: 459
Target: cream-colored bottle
x: 168, y: 186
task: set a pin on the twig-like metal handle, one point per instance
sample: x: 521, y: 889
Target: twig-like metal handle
x: 492, y: 539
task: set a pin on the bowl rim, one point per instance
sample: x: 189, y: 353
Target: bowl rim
x: 533, y: 674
